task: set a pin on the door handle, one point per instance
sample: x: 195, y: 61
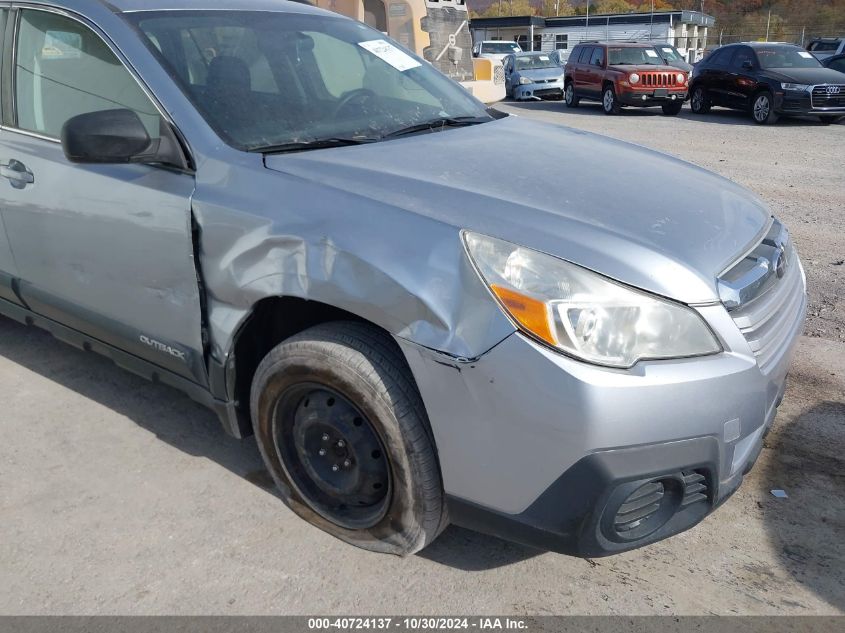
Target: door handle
x: 17, y: 172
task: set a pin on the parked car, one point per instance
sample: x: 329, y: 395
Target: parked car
x: 824, y: 47
x: 533, y: 76
x: 313, y: 232
x: 495, y: 49
x: 767, y: 80
x: 619, y: 74
x: 671, y: 56
x: 560, y: 56
x: 836, y: 62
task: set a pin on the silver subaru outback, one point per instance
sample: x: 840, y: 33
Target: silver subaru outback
x: 305, y: 227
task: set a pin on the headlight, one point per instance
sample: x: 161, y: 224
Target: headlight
x: 796, y: 87
x: 583, y: 313
x: 525, y: 80
x: 634, y: 78
x: 681, y: 78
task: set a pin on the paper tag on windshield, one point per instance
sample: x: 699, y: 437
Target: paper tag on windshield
x: 805, y: 54
x: 387, y: 52
x: 650, y: 52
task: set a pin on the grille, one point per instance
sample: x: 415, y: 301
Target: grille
x: 659, y: 80
x: 498, y: 74
x: 821, y: 99
x: 695, y: 488
x: 767, y: 320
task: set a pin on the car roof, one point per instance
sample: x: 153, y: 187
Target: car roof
x: 282, y: 6
x: 530, y: 53
x: 620, y: 44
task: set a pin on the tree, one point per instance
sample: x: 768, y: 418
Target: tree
x: 553, y: 8
x: 612, y: 6
x: 508, y: 8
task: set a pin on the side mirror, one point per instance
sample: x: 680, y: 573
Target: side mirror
x: 118, y: 136
x: 747, y: 65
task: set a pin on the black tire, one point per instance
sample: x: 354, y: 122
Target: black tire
x: 763, y: 108
x: 366, y: 370
x: 609, y: 102
x: 700, y: 102
x: 572, y: 100
x: 673, y: 108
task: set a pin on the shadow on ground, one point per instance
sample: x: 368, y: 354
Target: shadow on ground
x: 806, y: 529
x: 175, y: 419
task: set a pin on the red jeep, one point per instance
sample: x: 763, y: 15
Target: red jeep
x: 621, y: 74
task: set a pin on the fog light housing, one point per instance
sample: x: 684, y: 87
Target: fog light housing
x: 641, y: 508
x: 645, y: 97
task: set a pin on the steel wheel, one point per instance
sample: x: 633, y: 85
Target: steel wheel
x: 332, y: 455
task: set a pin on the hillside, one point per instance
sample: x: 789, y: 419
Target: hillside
x: 787, y: 20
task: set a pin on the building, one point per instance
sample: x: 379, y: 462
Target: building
x: 686, y: 30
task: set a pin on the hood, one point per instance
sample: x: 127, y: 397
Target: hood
x: 806, y: 75
x: 633, y: 214
x: 538, y: 74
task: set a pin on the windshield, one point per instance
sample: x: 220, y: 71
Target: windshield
x: 264, y: 79
x: 633, y: 55
x: 786, y: 57
x: 530, y: 62
x: 670, y: 54
x: 500, y: 47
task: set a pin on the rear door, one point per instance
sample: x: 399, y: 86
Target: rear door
x: 715, y: 76
x: 581, y: 75
x: 104, y: 249
x: 595, y: 72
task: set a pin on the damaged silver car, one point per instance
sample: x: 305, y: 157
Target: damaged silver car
x: 306, y: 228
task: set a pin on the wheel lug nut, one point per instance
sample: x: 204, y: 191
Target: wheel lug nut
x: 335, y: 468
x: 346, y: 463
x: 322, y: 451
x: 341, y: 443
x: 325, y: 437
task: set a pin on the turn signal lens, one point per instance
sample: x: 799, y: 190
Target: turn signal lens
x: 531, y: 314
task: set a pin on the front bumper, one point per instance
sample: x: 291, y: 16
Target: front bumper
x: 801, y: 103
x: 544, y: 450
x: 651, y: 97
x: 539, y: 90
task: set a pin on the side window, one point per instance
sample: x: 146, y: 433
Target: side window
x: 64, y: 69
x: 585, y: 55
x: 741, y: 56
x: 597, y: 58
x: 720, y: 57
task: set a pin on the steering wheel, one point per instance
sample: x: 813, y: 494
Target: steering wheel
x: 359, y: 94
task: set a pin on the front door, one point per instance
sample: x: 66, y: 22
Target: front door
x: 743, y: 83
x: 104, y: 249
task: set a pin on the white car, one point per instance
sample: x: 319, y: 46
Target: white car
x: 495, y: 49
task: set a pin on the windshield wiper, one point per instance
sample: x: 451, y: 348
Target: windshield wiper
x: 317, y: 143
x: 437, y: 124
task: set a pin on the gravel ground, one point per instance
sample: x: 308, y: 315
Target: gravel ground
x: 796, y: 166
x: 118, y: 496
